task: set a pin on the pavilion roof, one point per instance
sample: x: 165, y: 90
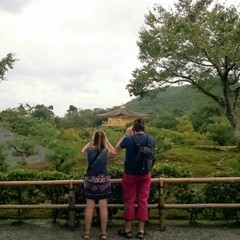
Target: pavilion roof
x: 122, y: 111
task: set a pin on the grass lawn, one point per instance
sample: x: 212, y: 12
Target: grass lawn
x: 202, y: 161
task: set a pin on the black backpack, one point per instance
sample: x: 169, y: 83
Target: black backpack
x: 144, y: 159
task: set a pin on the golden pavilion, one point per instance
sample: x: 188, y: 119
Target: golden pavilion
x: 120, y: 117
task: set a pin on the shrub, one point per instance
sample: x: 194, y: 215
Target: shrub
x: 178, y: 193
x: 223, y: 193
x: 23, y: 194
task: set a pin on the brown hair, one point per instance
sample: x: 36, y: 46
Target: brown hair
x: 99, y: 140
x: 138, y: 125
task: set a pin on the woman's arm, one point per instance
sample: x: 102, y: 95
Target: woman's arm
x: 111, y: 149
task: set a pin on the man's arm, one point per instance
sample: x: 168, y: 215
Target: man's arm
x: 128, y: 133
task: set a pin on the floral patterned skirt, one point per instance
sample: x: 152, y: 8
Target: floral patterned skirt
x: 97, y: 187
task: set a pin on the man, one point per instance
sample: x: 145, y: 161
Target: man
x: 136, y: 185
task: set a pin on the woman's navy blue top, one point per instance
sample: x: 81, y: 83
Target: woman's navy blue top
x: 100, y: 165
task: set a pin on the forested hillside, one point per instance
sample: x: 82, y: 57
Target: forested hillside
x: 185, y: 99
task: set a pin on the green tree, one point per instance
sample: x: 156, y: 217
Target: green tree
x: 79, y: 118
x: 167, y: 121
x: 72, y: 110
x: 63, y: 156
x: 220, y: 131
x: 9, y: 116
x: 3, y: 164
x: 197, y: 44
x: 6, y: 64
x: 24, y: 148
x: 202, y: 116
x: 39, y: 128
x: 42, y: 112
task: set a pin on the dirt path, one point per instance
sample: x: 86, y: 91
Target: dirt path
x: 46, y: 230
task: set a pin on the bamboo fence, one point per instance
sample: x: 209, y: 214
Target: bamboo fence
x: 161, y: 206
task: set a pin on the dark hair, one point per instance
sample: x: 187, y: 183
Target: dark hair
x: 99, y: 140
x: 138, y: 125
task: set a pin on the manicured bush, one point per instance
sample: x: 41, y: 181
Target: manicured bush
x: 177, y: 193
x: 23, y: 194
x: 223, y: 193
x: 173, y: 193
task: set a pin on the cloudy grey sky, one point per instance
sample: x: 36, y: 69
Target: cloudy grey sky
x: 71, y: 52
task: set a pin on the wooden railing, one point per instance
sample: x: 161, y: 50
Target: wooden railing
x: 161, y: 206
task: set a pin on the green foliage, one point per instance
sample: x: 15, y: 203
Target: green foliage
x: 4, y: 196
x: 23, y: 148
x: 223, y: 193
x: 195, y: 44
x: 162, y: 144
x: 167, y: 121
x: 20, y: 121
x: 79, y: 118
x: 170, y: 170
x: 3, y: 164
x: 220, y: 131
x: 23, y: 194
x: 42, y: 112
x: 173, y: 101
x: 116, y: 197
x: 174, y: 193
x: 203, y: 115
x: 41, y: 130
x: 179, y: 193
x: 113, y: 133
x: 186, y: 138
x: 10, y: 118
x: 63, y: 156
x: 54, y: 193
x: 5, y: 64
x: 184, y: 125
x: 69, y: 134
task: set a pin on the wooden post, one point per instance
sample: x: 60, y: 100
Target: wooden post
x: 71, y: 205
x: 161, y: 207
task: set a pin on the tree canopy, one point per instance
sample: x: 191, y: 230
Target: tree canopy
x: 195, y: 43
x: 6, y: 64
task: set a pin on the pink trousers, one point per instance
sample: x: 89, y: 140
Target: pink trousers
x: 136, y: 189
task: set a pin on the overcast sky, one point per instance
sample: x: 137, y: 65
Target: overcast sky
x: 71, y: 52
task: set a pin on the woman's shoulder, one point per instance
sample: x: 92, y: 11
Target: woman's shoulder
x: 91, y: 149
x: 105, y: 150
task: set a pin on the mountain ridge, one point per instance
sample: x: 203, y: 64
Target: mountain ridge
x: 184, y: 98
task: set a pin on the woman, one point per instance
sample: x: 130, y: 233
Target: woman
x: 97, y: 185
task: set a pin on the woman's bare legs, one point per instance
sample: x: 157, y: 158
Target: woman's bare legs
x: 90, y: 204
x: 103, y: 214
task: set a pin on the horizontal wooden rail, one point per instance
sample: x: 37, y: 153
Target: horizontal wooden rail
x: 47, y: 206
x: 202, y: 180
x: 35, y: 206
x: 119, y: 181
x: 205, y: 205
x: 161, y: 205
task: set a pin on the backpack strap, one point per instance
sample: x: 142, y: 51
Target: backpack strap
x: 137, y: 143
x: 148, y: 141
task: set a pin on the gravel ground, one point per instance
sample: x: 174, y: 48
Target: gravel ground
x: 46, y: 230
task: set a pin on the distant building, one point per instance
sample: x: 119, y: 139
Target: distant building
x: 120, y: 117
